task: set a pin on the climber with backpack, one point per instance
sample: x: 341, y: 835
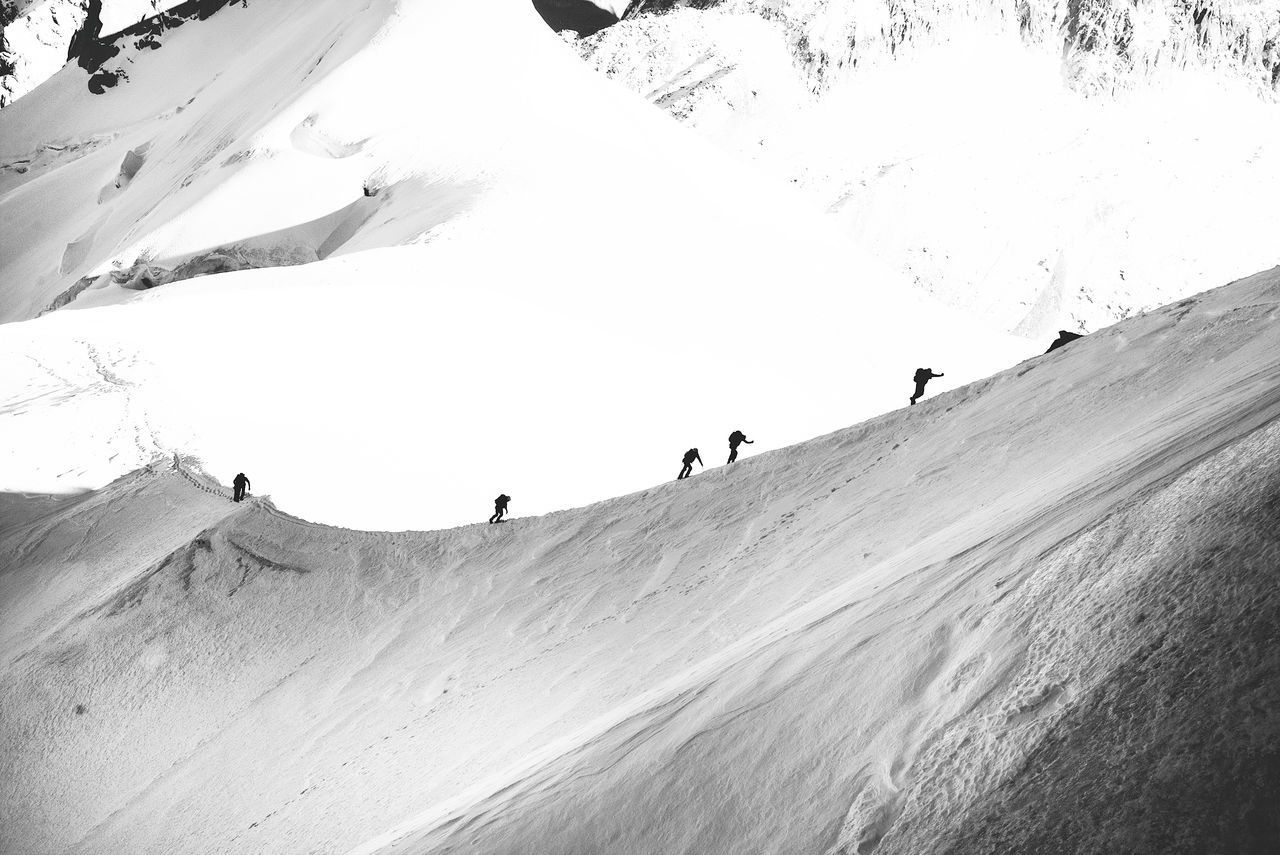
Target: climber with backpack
x: 735, y: 439
x: 923, y: 376
x: 689, y: 456
x: 240, y: 484
x: 499, y: 508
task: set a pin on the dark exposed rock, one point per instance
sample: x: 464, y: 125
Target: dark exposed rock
x: 636, y: 7
x: 87, y: 47
x: 580, y: 16
x: 103, y: 80
x: 8, y: 12
x: 91, y: 50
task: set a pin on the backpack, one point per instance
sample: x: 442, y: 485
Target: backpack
x: 736, y: 437
x: 502, y: 500
x: 923, y: 375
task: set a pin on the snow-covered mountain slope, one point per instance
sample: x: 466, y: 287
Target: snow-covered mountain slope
x: 169, y: 166
x: 553, y: 291
x: 1037, y: 613
x: 36, y: 35
x: 1048, y: 164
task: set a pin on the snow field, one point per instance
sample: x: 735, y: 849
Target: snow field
x: 852, y: 640
x: 979, y: 161
x: 961, y: 626
x: 534, y: 302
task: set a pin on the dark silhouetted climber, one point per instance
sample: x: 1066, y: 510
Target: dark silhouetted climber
x: 689, y: 456
x: 240, y: 484
x: 923, y: 375
x: 1063, y: 338
x: 499, y: 508
x: 735, y: 439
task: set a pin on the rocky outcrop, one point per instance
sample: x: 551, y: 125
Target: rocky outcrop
x: 1104, y: 43
x: 93, y: 52
x: 33, y: 42
x: 580, y: 16
x: 39, y: 38
x: 888, y: 114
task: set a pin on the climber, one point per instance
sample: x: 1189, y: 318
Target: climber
x: 240, y: 485
x: 689, y: 456
x: 923, y: 376
x: 499, y: 508
x: 735, y: 439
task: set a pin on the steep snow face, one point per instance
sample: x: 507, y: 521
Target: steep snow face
x: 1042, y: 186
x: 169, y: 166
x: 958, y: 627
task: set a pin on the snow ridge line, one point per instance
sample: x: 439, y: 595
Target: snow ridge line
x: 191, y: 479
x: 675, y: 693
x: 1157, y: 470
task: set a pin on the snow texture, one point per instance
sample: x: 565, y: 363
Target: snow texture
x: 392, y: 259
x: 1036, y: 613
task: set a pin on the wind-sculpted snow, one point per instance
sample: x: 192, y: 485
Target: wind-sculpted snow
x: 1035, y: 613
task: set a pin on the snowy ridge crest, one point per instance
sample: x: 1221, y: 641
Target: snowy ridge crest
x: 951, y: 628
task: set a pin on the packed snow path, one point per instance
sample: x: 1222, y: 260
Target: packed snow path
x: 1037, y: 613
